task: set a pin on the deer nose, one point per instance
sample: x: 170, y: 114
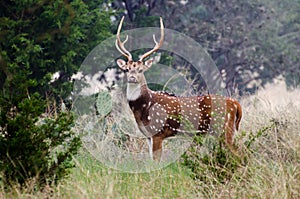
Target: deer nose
x: 132, y: 79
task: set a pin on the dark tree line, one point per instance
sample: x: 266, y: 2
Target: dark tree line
x: 251, y: 42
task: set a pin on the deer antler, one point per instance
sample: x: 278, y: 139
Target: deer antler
x: 120, y: 45
x: 157, y: 44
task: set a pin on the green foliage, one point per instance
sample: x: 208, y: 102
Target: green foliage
x: 219, y: 161
x: 104, y: 103
x: 47, y: 37
x: 252, y: 137
x: 33, y: 148
x: 38, y: 39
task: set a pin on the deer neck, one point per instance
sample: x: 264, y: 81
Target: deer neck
x: 136, y: 90
x: 133, y: 91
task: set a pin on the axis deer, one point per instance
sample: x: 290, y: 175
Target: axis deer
x: 160, y: 115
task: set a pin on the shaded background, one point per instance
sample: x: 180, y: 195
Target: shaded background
x: 252, y: 42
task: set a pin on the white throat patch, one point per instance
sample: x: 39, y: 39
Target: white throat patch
x: 133, y: 91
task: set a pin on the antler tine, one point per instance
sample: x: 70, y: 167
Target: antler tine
x: 157, y: 44
x: 120, y: 45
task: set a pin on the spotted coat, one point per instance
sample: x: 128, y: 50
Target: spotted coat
x: 160, y: 115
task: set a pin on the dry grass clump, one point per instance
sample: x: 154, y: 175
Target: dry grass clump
x: 274, y: 167
x: 270, y: 141
x: 273, y: 116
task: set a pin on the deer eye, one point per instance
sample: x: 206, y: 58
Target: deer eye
x: 140, y: 71
x: 126, y: 70
x: 130, y: 62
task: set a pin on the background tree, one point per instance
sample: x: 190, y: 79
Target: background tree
x: 38, y: 39
x: 252, y: 42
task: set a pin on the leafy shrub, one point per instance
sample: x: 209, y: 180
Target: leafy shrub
x: 208, y: 159
x: 39, y: 39
x: 35, y: 148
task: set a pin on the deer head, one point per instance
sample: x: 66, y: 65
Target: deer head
x: 135, y: 69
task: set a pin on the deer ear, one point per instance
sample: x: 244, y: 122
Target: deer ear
x: 148, y: 63
x: 121, y: 63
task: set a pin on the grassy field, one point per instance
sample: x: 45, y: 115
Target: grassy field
x: 271, y: 127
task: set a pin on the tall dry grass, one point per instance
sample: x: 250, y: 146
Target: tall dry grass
x: 271, y: 127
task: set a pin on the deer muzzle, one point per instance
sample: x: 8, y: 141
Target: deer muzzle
x: 132, y: 79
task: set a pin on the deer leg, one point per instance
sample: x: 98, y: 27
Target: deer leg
x: 150, y: 145
x: 229, y: 128
x: 157, y: 147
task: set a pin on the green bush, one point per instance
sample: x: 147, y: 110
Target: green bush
x: 33, y: 148
x: 211, y: 161
x: 208, y: 159
x: 39, y: 39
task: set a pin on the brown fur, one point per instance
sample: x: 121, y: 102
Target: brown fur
x: 171, y: 108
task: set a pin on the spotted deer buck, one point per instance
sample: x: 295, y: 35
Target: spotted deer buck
x: 160, y: 115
